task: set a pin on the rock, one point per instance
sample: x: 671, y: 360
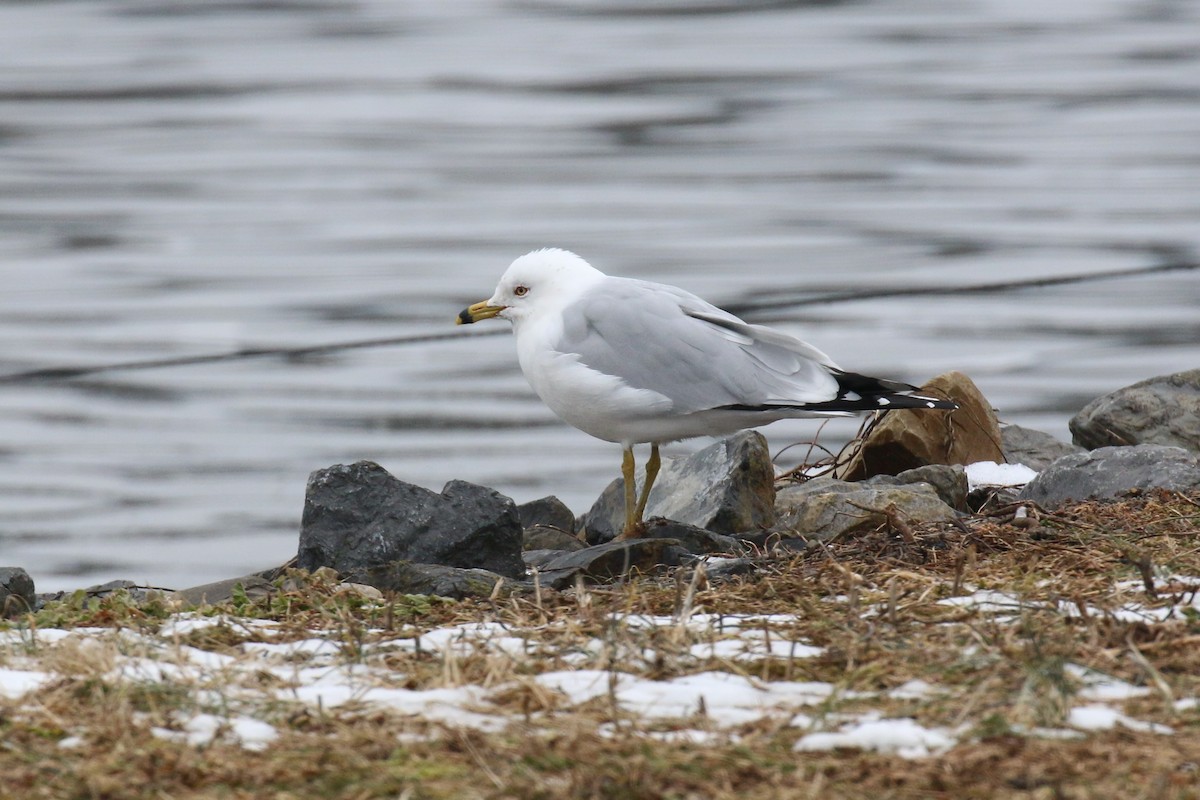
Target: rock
x: 361, y: 590
x: 407, y: 577
x: 540, y: 537
x: 1113, y: 471
x: 695, y: 540
x: 612, y: 560
x: 996, y: 485
x: 828, y: 510
x: 137, y: 593
x: 547, y: 512
x: 719, y: 569
x: 111, y: 587
x: 789, y: 495
x: 222, y: 591
x: 540, y: 558
x: 359, y: 516
x: 909, y: 438
x: 1163, y: 410
x: 948, y: 480
x: 728, y: 487
x: 1034, y: 449
x: 17, y: 595
x: 274, y: 572
x: 770, y: 541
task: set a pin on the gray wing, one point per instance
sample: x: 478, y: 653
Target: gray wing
x: 666, y: 340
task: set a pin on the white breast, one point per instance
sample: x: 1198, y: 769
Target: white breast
x: 598, y: 404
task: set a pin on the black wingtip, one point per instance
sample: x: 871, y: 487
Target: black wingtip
x: 879, y: 402
x: 929, y: 402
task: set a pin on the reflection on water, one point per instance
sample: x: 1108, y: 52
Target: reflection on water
x: 180, y: 178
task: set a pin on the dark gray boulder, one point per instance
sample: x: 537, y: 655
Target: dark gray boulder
x: 948, y: 480
x: 547, y: 512
x: 1035, y: 449
x: 358, y: 516
x: 1113, y: 471
x: 728, y: 487
x: 17, y: 594
x: 1163, y: 410
x: 612, y: 560
x: 406, y: 577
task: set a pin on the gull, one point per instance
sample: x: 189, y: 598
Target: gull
x: 635, y: 362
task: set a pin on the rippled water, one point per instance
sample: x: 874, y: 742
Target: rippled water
x: 181, y: 178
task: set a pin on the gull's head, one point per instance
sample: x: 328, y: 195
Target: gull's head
x: 537, y: 281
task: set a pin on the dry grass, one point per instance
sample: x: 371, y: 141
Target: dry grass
x: 873, y: 604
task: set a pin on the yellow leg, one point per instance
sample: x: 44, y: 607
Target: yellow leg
x: 635, y: 505
x: 651, y: 473
x: 627, y: 472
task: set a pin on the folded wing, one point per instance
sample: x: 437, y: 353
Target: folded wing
x: 692, y: 352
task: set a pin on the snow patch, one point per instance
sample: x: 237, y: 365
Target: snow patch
x: 203, y: 729
x: 912, y: 690
x: 1098, y: 686
x: 989, y: 473
x: 725, y: 699
x: 902, y: 736
x: 16, y: 682
x: 1098, y: 717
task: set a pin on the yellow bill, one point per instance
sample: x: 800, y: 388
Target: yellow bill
x: 475, y: 313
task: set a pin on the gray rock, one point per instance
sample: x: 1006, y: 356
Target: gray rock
x: 274, y: 572
x: 105, y: 589
x: 695, y: 540
x: 612, y: 560
x: 1034, y: 449
x: 1113, y: 471
x: 793, y: 493
x: 540, y: 537
x: 222, y: 591
x: 407, y: 577
x: 359, y: 516
x: 1163, y: 410
x: 17, y: 594
x: 728, y: 487
x: 836, y: 508
x: 138, y: 593
x: 547, y: 512
x: 948, y: 480
x: 540, y: 558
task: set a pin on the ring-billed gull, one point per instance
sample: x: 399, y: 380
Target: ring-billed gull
x: 632, y: 362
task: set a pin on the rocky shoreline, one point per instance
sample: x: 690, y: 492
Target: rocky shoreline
x: 954, y: 631
x: 379, y: 534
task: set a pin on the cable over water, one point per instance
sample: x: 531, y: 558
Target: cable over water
x: 745, y: 308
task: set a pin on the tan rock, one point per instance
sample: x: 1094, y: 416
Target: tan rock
x: 910, y: 438
x: 363, y: 590
x: 856, y: 508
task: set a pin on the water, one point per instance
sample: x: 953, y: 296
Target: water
x: 181, y: 178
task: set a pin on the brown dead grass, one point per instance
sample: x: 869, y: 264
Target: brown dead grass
x: 872, y: 602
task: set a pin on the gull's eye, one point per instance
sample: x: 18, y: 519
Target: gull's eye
x: 521, y: 291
